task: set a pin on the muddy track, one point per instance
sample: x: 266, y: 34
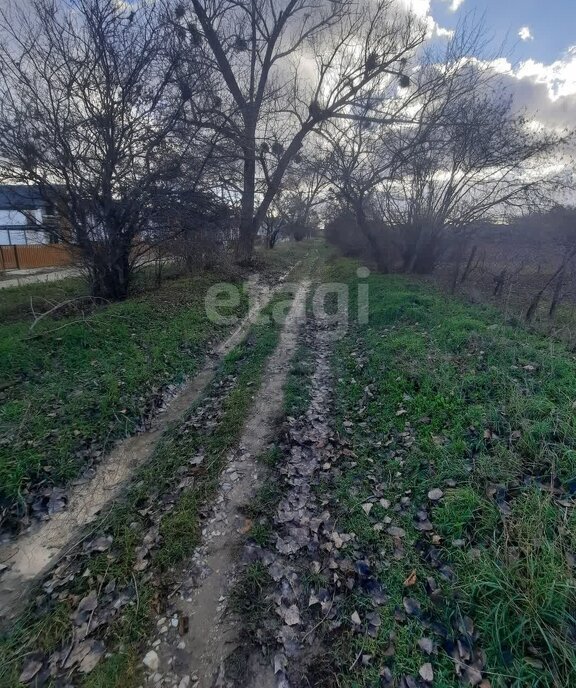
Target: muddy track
x: 198, y: 658
x: 40, y: 548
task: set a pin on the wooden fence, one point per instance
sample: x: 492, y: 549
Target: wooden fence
x: 34, y: 256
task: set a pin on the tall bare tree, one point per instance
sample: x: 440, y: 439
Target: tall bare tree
x: 453, y: 153
x: 90, y: 96
x: 482, y: 162
x: 283, y: 69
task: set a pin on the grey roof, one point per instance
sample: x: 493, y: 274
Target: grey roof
x: 20, y: 197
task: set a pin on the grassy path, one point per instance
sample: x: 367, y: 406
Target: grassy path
x: 205, y: 649
x: 87, y: 376
x: 127, y: 557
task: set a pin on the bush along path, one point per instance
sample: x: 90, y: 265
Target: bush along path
x: 85, y: 624
x: 418, y: 527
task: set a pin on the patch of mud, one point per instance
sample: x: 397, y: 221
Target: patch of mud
x: 197, y: 657
x: 40, y: 548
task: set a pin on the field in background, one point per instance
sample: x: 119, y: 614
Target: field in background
x: 527, y: 271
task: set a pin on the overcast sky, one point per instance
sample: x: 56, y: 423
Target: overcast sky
x: 540, y: 48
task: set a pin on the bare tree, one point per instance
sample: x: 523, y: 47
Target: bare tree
x: 366, y: 150
x: 559, y: 227
x: 283, y: 70
x: 294, y: 210
x: 90, y: 96
x: 480, y: 161
x: 450, y: 153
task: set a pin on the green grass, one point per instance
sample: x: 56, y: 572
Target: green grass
x: 247, y: 596
x: 297, y: 387
x: 485, y: 411
x: 16, y: 303
x: 277, y: 261
x: 79, y: 381
x: 47, y: 628
x: 75, y: 390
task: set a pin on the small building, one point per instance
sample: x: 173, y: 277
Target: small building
x: 25, y: 216
x: 27, y: 230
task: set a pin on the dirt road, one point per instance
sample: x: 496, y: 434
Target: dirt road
x: 213, y: 634
x: 45, y: 543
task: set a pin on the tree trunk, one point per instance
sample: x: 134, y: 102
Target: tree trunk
x: 110, y: 273
x: 246, y: 241
x: 414, y: 253
x: 259, y: 213
x: 455, y: 277
x: 469, y: 264
x: 247, y: 235
x: 409, y: 258
x: 499, y: 282
x: 533, y: 307
x: 556, y: 297
x: 272, y: 239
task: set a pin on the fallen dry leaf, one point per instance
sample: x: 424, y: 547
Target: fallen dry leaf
x: 85, y: 656
x: 472, y: 676
x: 426, y: 645
x: 291, y: 615
x: 100, y: 544
x: 435, y: 495
x: 426, y: 672
x: 411, y: 580
x: 247, y: 527
x: 30, y: 671
x: 411, y: 606
x: 85, y: 608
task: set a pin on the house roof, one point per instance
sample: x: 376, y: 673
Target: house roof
x: 20, y: 197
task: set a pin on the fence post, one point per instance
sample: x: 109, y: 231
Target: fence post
x: 16, y: 257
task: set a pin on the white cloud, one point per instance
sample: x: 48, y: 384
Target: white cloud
x: 441, y: 32
x: 525, y: 34
x: 559, y: 77
x: 548, y: 91
x: 454, y: 4
x: 421, y: 8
